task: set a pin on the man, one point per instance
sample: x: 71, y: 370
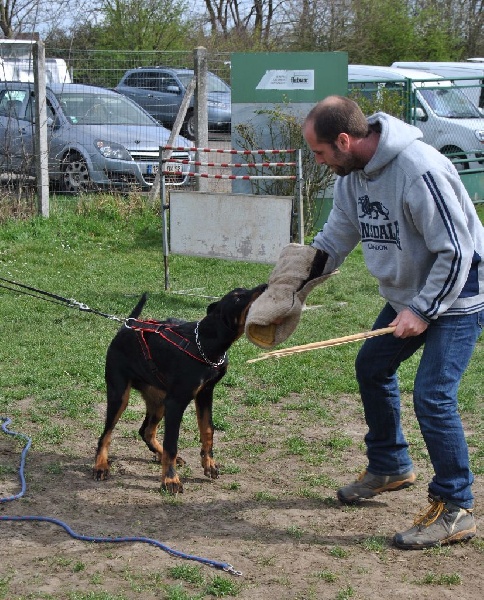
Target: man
x: 423, y: 241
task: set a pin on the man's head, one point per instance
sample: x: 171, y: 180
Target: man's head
x: 334, y: 130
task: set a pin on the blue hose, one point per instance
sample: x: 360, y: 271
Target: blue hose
x: 87, y: 538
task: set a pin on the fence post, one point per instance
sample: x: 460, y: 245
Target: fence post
x: 40, y: 130
x: 155, y: 190
x: 300, y: 195
x: 201, y: 108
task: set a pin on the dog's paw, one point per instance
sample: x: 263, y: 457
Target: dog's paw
x: 209, y: 466
x: 211, y: 470
x: 172, y: 485
x: 100, y: 474
x: 100, y: 471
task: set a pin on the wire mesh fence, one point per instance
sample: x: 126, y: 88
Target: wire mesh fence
x: 106, y: 67
x: 449, y: 115
x: 101, y: 138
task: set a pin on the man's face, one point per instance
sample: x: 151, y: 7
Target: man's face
x: 337, y: 155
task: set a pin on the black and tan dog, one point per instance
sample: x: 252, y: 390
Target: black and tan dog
x: 172, y: 362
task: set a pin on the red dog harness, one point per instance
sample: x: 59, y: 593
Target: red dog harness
x: 167, y: 333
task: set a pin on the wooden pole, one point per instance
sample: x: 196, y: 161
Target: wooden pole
x: 324, y: 344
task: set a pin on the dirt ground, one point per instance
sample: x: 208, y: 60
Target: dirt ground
x: 288, y: 544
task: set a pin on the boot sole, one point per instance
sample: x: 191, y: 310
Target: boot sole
x: 391, y: 487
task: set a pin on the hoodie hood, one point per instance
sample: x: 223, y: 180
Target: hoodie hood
x: 395, y: 136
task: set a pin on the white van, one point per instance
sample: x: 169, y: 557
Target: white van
x: 21, y: 69
x: 468, y: 75
x: 16, y: 63
x: 447, y: 118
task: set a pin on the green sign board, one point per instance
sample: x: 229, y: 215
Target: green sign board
x: 296, y: 77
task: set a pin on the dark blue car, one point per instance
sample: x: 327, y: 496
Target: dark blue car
x: 160, y: 91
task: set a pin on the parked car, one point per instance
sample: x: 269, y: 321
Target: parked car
x: 17, y: 63
x: 469, y: 76
x: 160, y: 91
x: 97, y: 138
x: 447, y: 118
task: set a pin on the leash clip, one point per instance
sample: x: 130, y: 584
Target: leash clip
x: 230, y: 569
x: 79, y: 305
x: 126, y: 323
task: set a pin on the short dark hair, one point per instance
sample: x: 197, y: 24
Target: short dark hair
x: 335, y: 115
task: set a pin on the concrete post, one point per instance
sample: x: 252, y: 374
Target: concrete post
x: 201, y: 109
x: 40, y: 130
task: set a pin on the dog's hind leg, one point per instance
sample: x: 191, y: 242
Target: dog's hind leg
x: 117, y: 403
x: 203, y: 404
x: 155, y: 410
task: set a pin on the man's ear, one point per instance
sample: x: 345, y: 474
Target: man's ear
x: 343, y: 142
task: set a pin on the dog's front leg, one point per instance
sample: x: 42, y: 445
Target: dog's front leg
x: 203, y: 404
x: 174, y: 409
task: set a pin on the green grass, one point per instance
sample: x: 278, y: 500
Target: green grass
x: 106, y: 252
x: 442, y: 579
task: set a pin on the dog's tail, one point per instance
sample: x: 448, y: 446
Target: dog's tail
x: 135, y: 313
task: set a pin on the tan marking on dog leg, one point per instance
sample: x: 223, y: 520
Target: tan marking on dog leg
x: 210, y: 468
x: 169, y: 477
x: 102, y: 465
x: 155, y: 409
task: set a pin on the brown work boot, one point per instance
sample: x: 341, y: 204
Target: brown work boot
x: 442, y: 523
x: 368, y: 485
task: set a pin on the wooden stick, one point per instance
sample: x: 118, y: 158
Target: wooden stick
x: 324, y: 344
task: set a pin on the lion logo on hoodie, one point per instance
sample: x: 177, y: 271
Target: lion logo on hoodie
x: 372, y: 210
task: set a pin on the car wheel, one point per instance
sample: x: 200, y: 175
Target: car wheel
x: 75, y: 174
x: 189, y: 126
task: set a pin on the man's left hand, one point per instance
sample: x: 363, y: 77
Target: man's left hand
x: 407, y: 324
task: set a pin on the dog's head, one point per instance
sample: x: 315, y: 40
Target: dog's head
x: 232, y: 308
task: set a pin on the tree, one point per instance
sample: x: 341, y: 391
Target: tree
x: 465, y: 19
x: 13, y: 15
x: 144, y: 24
x: 27, y: 16
x: 84, y: 36
x: 318, y: 25
x: 474, y: 29
x: 256, y: 20
x: 435, y: 37
x: 380, y: 31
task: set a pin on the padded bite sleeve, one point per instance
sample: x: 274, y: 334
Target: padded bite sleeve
x: 274, y: 316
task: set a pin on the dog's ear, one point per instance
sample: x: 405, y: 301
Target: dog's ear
x: 211, y: 307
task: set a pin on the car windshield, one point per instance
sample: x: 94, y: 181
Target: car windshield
x: 214, y: 83
x: 450, y: 103
x: 102, y: 109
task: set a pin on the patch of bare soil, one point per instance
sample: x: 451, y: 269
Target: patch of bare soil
x: 289, y: 544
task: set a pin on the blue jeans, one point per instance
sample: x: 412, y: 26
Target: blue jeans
x: 447, y: 344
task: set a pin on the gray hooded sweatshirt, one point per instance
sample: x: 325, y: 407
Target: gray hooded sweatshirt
x: 419, y: 230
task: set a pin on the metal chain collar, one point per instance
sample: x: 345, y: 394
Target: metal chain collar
x: 202, y: 353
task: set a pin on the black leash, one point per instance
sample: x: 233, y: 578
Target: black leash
x: 54, y: 298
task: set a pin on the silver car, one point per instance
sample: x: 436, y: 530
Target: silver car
x: 97, y: 138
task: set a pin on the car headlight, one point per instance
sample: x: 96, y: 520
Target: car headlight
x: 112, y: 150
x: 479, y: 133
x: 219, y: 105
